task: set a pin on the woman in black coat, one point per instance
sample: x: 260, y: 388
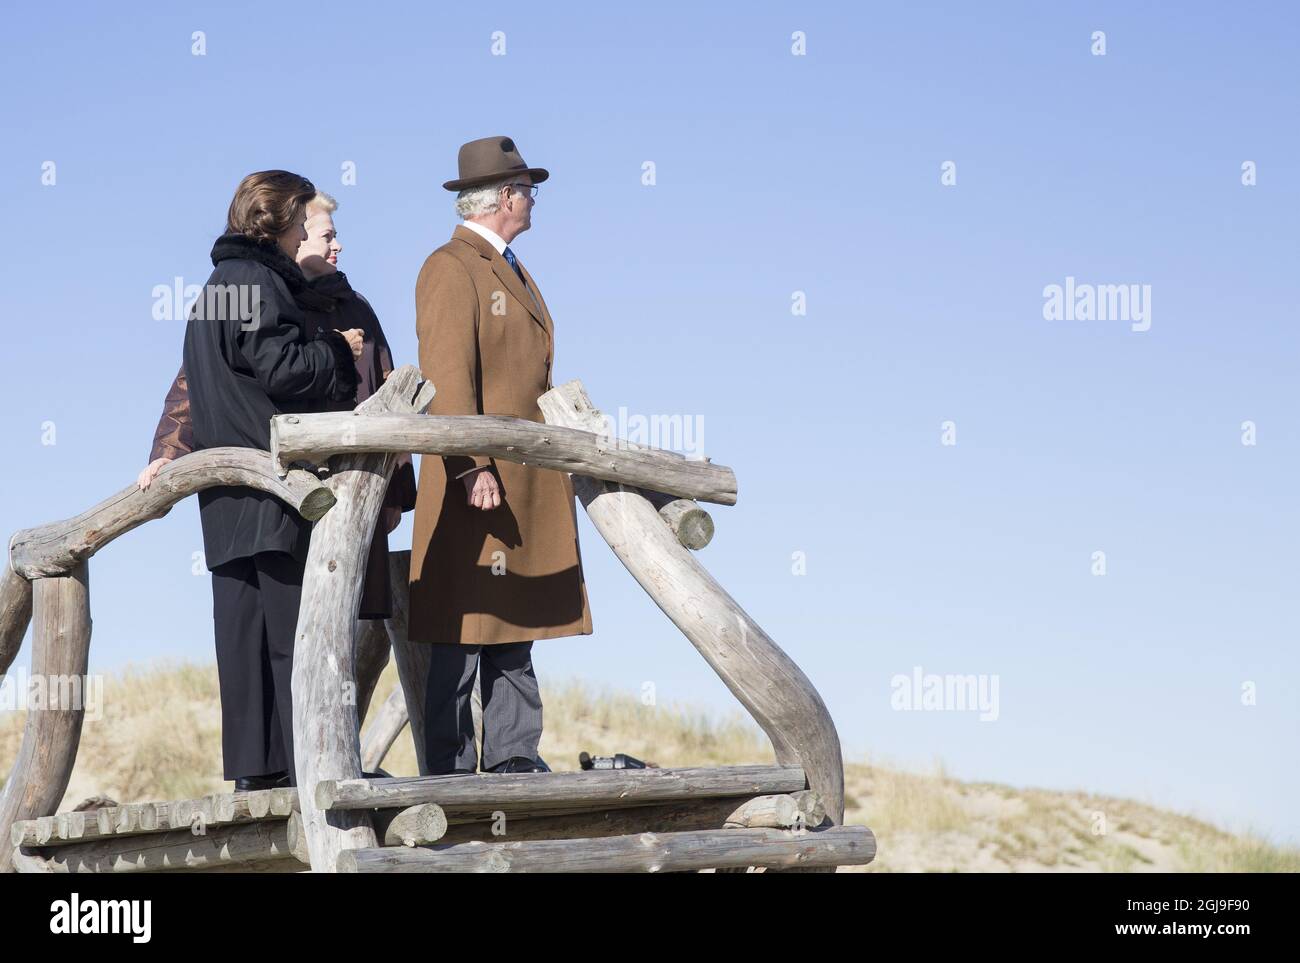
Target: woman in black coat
x: 329, y: 301
x: 246, y: 360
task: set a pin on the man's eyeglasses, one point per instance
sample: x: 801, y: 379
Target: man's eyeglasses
x: 530, y: 189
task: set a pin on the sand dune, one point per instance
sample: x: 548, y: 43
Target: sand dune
x: 159, y: 738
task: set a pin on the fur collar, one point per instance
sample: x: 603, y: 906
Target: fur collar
x: 268, y: 253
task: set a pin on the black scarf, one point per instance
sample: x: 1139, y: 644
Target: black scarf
x: 334, y: 286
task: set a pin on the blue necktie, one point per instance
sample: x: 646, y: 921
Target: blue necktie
x: 510, y: 259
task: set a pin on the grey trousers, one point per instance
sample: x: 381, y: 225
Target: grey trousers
x: 512, y: 705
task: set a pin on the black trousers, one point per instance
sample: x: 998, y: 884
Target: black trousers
x: 255, y: 611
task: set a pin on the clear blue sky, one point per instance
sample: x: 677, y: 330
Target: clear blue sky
x: 775, y: 174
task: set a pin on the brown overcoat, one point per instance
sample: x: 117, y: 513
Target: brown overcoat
x: 514, y: 572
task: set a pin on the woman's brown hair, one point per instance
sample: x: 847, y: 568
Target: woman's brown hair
x: 269, y: 203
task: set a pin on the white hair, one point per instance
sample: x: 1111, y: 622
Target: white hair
x: 324, y: 202
x: 477, y: 201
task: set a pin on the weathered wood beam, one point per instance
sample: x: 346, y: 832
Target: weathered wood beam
x: 326, y: 726
x: 644, y: 852
x: 812, y: 808
x: 131, y: 819
x: 52, y: 732
x: 372, y: 648
x: 414, y: 826
x: 313, y: 438
x: 775, y: 812
x: 413, y: 658
x: 28, y: 861
x: 15, y: 614
x: 278, y: 864
x: 378, y: 737
x: 522, y: 792
x: 251, y: 843
x: 55, y: 548
x: 765, y: 680
x: 692, y: 525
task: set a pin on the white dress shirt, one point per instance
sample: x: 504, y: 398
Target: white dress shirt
x: 492, y: 236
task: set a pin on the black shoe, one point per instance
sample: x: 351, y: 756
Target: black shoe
x: 377, y: 774
x: 271, y: 780
x: 519, y: 764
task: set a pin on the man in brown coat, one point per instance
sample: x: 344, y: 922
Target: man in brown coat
x: 494, y: 557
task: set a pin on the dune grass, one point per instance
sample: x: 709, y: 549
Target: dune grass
x: 159, y: 737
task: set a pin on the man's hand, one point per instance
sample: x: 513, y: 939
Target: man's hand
x: 481, y: 487
x: 150, y: 472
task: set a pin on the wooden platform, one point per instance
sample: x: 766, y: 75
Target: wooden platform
x: 631, y: 820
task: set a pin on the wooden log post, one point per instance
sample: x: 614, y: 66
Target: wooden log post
x: 378, y: 737
x: 15, y: 614
x: 326, y: 734
x: 55, y: 548
x: 372, y: 648
x: 767, y: 682
x: 60, y: 651
x: 412, y: 658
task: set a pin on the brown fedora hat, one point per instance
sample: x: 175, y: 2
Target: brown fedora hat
x: 491, y: 159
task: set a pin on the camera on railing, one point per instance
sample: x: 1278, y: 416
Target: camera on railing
x: 620, y: 760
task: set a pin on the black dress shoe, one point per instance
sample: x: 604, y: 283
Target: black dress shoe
x: 271, y: 780
x: 518, y: 764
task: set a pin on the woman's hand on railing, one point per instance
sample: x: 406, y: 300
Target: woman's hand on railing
x: 150, y: 472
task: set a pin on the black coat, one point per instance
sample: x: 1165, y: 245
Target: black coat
x: 243, y: 371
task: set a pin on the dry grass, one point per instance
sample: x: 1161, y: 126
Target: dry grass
x: 159, y: 738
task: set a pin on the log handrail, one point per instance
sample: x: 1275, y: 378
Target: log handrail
x: 590, y: 451
x: 45, y: 579
x: 55, y: 548
x: 15, y: 614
